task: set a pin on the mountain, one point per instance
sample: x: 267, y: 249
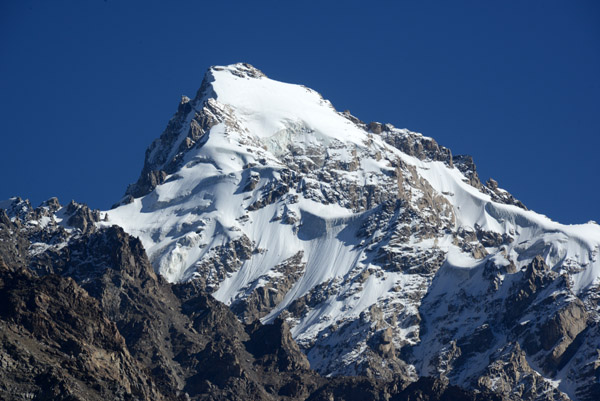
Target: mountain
x: 383, y: 253
x: 85, y: 317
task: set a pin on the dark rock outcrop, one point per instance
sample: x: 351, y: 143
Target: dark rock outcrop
x: 466, y: 165
x: 412, y: 143
x: 82, y: 217
x: 58, y: 344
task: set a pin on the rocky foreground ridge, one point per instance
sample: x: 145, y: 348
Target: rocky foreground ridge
x: 89, y: 319
x: 383, y: 254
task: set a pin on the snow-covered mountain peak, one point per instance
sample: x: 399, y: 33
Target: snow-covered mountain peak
x: 282, y: 206
x: 278, y: 113
x: 264, y: 113
x: 262, y: 136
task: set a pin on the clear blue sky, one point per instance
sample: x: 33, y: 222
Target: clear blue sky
x: 85, y: 86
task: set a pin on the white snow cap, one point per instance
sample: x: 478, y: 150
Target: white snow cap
x: 266, y: 107
x: 283, y: 175
x: 272, y: 117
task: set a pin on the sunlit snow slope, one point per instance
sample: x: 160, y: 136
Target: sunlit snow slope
x: 282, y: 206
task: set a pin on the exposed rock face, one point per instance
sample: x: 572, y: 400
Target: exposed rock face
x: 264, y: 339
x: 511, y: 375
x: 81, y: 217
x: 545, y: 328
x: 223, y: 260
x: 413, y: 144
x: 57, y: 343
x: 265, y: 293
x: 466, y: 165
x: 13, y: 244
x: 500, y: 195
x: 99, y: 324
